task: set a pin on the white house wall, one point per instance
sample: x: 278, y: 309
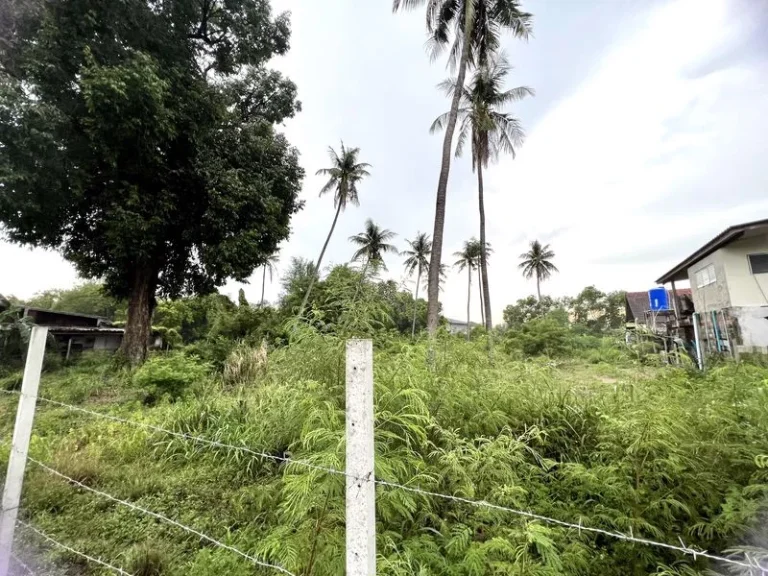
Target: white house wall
x: 714, y: 296
x: 745, y: 288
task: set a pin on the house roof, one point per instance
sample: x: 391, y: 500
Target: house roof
x: 637, y: 303
x: 64, y: 313
x: 680, y: 272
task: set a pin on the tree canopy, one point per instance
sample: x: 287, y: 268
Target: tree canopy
x: 137, y: 138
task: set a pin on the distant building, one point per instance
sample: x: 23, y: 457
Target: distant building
x: 459, y: 326
x: 729, y: 287
x: 72, y: 332
x: 639, y: 314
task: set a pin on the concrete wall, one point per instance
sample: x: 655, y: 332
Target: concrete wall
x: 751, y: 328
x: 714, y: 296
x: 745, y: 288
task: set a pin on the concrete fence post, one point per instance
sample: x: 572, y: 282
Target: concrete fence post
x: 22, y: 432
x: 361, y: 490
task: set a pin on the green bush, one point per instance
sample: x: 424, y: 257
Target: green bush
x: 169, y: 375
x: 542, y: 336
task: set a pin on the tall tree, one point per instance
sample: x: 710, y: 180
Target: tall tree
x: 491, y: 131
x: 344, y: 175
x: 137, y: 138
x: 472, y: 29
x: 270, y: 265
x: 537, y: 262
x: 417, y: 258
x: 468, y: 258
x: 373, y: 244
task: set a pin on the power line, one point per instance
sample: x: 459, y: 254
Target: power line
x: 45, y: 536
x: 160, y: 517
x: 18, y: 561
x: 749, y: 563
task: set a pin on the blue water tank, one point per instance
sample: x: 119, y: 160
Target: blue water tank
x: 658, y: 299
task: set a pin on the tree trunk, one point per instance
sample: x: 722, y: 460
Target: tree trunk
x: 486, y: 301
x: 433, y: 287
x: 416, y: 303
x: 538, y: 286
x: 138, y: 327
x: 319, y: 262
x: 480, y: 290
x: 263, y: 284
x: 469, y: 298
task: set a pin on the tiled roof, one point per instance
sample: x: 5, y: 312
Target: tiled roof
x: 638, y: 302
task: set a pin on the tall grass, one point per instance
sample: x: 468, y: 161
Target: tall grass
x: 661, y: 452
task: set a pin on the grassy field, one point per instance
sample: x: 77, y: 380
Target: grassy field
x: 665, y: 453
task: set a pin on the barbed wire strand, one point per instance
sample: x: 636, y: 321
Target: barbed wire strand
x: 160, y: 517
x: 45, y: 536
x: 20, y: 563
x: 477, y: 503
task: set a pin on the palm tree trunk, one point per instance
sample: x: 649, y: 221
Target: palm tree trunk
x: 480, y: 290
x: 319, y: 262
x: 538, y: 286
x: 433, y: 287
x: 416, y: 303
x: 486, y: 301
x: 263, y: 284
x: 469, y: 297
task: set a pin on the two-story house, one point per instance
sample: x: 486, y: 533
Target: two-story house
x: 729, y: 287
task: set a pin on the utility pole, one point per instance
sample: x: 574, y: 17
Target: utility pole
x: 22, y: 432
x: 361, y: 490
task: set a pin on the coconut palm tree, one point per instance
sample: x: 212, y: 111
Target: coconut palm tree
x: 481, y: 282
x: 270, y: 265
x: 344, y: 175
x: 468, y: 258
x: 473, y: 30
x: 373, y: 245
x: 491, y: 131
x: 417, y: 259
x: 537, y: 262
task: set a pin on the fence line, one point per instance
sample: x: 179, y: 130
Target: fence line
x: 746, y: 563
x: 45, y: 536
x: 160, y: 517
x: 18, y: 561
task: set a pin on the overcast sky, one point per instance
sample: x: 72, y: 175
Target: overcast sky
x: 647, y: 136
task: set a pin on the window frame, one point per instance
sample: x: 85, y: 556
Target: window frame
x: 749, y: 262
x: 711, y: 278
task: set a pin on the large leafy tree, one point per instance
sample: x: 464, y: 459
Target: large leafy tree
x: 373, y: 243
x: 137, y: 138
x: 537, y: 261
x: 344, y: 174
x: 468, y: 258
x: 491, y: 130
x: 417, y: 260
x: 87, y: 298
x: 471, y: 30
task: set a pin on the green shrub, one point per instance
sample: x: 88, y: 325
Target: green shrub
x: 542, y: 336
x: 169, y: 375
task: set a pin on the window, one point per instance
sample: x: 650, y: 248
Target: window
x: 706, y: 276
x: 758, y: 263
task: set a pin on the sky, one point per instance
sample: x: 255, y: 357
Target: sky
x: 646, y: 137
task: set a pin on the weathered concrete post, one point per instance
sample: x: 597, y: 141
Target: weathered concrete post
x: 22, y: 432
x: 361, y: 490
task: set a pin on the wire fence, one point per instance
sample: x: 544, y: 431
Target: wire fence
x: 741, y: 560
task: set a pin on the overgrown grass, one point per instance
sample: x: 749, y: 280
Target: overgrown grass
x: 606, y: 441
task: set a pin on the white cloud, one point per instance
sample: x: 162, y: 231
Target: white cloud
x: 639, y: 132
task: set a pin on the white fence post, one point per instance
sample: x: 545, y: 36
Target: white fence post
x: 361, y: 490
x: 697, y: 338
x: 22, y: 432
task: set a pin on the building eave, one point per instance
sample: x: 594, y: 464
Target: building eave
x: 680, y: 271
